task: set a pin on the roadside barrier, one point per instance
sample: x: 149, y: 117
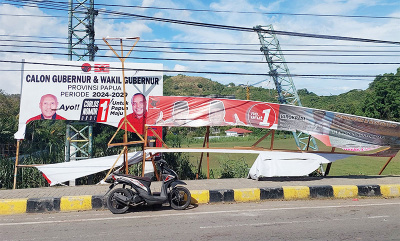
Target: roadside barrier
x: 89, y: 202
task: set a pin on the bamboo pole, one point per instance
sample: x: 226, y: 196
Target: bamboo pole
x: 155, y: 168
x: 328, y: 167
x: 261, y: 139
x: 144, y: 149
x: 201, y: 156
x: 158, y: 137
x: 208, y: 154
x: 16, y: 165
x: 108, y: 173
x: 272, y: 140
x: 125, y: 122
x: 308, y: 142
x: 387, y: 163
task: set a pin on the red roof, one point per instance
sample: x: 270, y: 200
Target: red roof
x: 238, y: 130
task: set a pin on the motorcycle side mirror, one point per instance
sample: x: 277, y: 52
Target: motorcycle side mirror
x: 161, y: 163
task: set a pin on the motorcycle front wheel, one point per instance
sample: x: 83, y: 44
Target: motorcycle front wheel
x: 116, y: 206
x: 180, y: 198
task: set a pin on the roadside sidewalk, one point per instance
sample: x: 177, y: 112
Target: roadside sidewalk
x: 78, y: 198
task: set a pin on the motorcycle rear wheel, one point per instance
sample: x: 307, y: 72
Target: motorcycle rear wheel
x: 180, y: 198
x: 115, y: 206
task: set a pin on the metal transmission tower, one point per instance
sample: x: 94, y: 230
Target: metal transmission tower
x: 287, y: 93
x: 79, y: 135
x: 81, y: 30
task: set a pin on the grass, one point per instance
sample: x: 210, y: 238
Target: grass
x: 355, y: 165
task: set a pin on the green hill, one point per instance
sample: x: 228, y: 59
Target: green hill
x: 182, y: 85
x: 381, y: 100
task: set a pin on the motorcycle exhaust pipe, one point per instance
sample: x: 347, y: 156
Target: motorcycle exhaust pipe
x: 122, y: 199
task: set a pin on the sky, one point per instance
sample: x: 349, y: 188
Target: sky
x: 27, y: 28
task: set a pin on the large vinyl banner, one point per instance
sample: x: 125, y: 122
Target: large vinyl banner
x: 354, y: 133
x: 192, y: 112
x: 87, y: 91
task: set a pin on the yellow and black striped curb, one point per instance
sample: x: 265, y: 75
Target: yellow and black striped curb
x: 89, y: 202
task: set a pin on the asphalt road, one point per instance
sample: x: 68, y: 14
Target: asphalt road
x: 364, y: 219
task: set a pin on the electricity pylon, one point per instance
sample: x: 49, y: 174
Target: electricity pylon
x: 81, y: 47
x: 279, y: 72
x: 81, y: 34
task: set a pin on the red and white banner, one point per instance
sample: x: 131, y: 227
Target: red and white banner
x: 87, y: 91
x: 354, y: 133
x: 193, y: 112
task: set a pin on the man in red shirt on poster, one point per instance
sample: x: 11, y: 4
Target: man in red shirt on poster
x: 138, y: 117
x: 48, y: 105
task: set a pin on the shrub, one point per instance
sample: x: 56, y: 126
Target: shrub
x: 234, y: 169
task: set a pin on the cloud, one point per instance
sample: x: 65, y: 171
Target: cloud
x: 179, y: 67
x: 338, y: 7
x: 165, y: 33
x: 105, y: 27
x: 13, y: 26
x: 38, y: 26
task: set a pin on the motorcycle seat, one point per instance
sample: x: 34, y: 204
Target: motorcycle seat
x: 146, y: 180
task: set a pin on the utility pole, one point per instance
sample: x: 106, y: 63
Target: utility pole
x: 278, y: 70
x: 81, y: 47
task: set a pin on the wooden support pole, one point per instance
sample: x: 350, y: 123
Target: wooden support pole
x: 272, y: 140
x: 383, y: 168
x: 120, y: 154
x: 125, y: 137
x: 261, y: 139
x: 155, y: 168
x: 308, y: 142
x: 208, y: 154
x: 125, y: 122
x: 144, y: 149
x: 328, y: 167
x: 201, y: 156
x: 126, y: 159
x: 16, y: 165
x: 158, y: 137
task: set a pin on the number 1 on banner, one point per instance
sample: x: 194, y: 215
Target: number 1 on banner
x: 266, y: 116
x: 103, y: 110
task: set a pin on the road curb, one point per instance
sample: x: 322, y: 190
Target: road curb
x: 90, y: 202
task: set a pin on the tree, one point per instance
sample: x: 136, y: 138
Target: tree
x: 383, y: 97
x: 9, y: 109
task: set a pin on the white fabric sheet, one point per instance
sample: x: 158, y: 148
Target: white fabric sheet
x: 267, y: 164
x: 205, y: 150
x: 275, y: 164
x: 65, y: 171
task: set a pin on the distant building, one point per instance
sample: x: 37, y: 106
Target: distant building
x: 237, y: 132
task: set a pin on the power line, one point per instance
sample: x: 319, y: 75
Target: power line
x: 231, y: 28
x: 207, y: 53
x: 211, y: 60
x: 246, y: 29
x: 55, y: 3
x: 209, y: 43
x: 287, y: 51
x: 190, y: 71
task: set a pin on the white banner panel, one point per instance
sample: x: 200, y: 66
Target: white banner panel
x: 85, y: 91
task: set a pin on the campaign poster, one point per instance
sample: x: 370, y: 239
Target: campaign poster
x: 362, y: 133
x: 292, y: 118
x: 312, y: 121
x: 198, y: 111
x: 87, y: 91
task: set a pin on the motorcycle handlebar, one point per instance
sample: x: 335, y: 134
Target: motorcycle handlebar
x: 164, y: 167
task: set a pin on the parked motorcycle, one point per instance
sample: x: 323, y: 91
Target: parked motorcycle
x: 136, y: 191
